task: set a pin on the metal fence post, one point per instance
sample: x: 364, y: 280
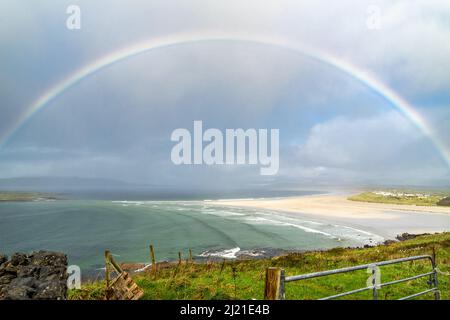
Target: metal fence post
x: 437, y: 294
x: 282, y: 287
x: 374, y: 283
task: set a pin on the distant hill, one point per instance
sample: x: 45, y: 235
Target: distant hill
x: 62, y: 183
x: 107, y: 189
x: 96, y: 188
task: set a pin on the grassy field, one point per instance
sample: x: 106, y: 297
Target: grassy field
x: 429, y: 200
x: 245, y: 279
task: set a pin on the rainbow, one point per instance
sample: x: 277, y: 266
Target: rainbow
x: 189, y: 38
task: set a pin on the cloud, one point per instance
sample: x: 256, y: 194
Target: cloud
x: 118, y: 121
x: 381, y: 149
x: 348, y: 142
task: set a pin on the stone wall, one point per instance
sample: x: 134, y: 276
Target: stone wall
x: 40, y: 275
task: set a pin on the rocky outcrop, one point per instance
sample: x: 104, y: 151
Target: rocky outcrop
x: 444, y: 202
x: 40, y: 275
x: 3, y: 259
x: 408, y: 236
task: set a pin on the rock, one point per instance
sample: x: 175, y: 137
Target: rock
x: 132, y: 267
x: 19, y: 259
x: 48, y: 271
x: 28, y: 271
x: 444, y: 202
x: 6, y: 279
x: 19, y: 293
x: 3, y: 259
x: 388, y: 242
x: 47, y: 258
x: 41, y: 275
x: 51, y: 290
x: 408, y: 236
x: 2, y: 271
x: 23, y: 282
x: 8, y: 268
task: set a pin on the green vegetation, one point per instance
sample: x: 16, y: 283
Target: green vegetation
x: 26, y: 196
x: 244, y: 279
x: 395, y: 197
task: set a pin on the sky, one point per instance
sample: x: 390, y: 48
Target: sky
x: 334, y: 131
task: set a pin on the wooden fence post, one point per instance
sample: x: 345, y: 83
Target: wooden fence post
x: 273, y: 284
x: 107, y: 268
x: 190, y: 256
x: 179, y: 257
x: 152, y: 254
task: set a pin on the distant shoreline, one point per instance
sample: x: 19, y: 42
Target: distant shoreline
x: 387, y: 220
x: 22, y: 196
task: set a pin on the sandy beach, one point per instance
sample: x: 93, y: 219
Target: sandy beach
x: 387, y: 220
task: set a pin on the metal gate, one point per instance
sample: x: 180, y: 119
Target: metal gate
x: 374, y: 287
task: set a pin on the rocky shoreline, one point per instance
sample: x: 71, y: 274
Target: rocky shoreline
x: 256, y: 254
x: 42, y: 275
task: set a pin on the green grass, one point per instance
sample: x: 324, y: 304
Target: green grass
x: 431, y: 200
x: 245, y: 279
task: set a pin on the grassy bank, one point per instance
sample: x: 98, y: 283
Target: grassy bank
x: 245, y: 279
x: 417, y: 199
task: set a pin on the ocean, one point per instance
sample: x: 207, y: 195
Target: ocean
x: 84, y: 229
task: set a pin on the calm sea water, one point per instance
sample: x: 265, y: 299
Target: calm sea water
x: 85, y: 228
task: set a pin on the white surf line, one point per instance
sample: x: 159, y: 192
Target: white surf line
x: 339, y: 226
x: 288, y: 215
x: 226, y: 253
x: 287, y: 224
